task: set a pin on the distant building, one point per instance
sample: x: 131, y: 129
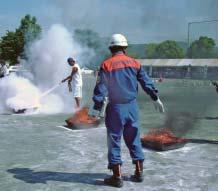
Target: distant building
x: 181, y: 68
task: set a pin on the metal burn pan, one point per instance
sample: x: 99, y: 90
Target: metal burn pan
x: 159, y: 146
x: 81, y: 120
x: 162, y: 140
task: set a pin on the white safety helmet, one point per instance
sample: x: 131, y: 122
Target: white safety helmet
x: 118, y: 40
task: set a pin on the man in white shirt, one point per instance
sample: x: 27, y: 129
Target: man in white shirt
x: 75, y: 79
x: 3, y: 69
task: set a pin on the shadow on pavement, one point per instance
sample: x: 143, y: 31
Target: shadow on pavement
x: 29, y: 176
x: 211, y: 118
x: 207, y: 118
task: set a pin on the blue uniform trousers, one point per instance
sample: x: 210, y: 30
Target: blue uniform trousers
x: 123, y: 119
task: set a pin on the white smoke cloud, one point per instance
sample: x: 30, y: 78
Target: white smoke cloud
x: 48, y: 56
x: 48, y: 66
x: 140, y: 20
x: 17, y: 93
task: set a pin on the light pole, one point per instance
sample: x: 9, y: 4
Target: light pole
x: 196, y: 22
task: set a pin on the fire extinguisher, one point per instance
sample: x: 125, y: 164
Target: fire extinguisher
x: 98, y: 113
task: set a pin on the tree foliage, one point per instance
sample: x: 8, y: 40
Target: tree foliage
x: 12, y: 45
x: 169, y: 49
x: 30, y: 29
x: 92, y: 40
x: 151, y: 50
x: 88, y: 38
x: 166, y: 49
x: 204, y: 47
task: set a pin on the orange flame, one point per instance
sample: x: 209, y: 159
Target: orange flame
x: 162, y: 136
x: 81, y: 117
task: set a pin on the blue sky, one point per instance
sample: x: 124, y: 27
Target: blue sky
x: 11, y: 11
x: 139, y: 20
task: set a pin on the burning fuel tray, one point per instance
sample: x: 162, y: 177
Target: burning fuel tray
x: 162, y: 140
x: 81, y: 125
x: 158, y: 146
x: 24, y: 110
x: 19, y: 111
x: 81, y: 120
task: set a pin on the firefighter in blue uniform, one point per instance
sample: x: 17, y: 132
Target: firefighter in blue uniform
x: 118, y: 80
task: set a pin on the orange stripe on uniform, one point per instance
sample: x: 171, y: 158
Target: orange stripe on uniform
x: 124, y: 62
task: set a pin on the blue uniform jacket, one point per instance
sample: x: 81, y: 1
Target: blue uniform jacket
x: 118, y: 79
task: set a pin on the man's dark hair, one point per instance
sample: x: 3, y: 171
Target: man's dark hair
x: 2, y: 61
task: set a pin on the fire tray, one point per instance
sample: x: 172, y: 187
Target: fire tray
x: 24, y: 110
x: 81, y: 120
x: 162, y: 140
x: 20, y: 111
x: 158, y: 146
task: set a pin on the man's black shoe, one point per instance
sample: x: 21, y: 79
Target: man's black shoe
x: 137, y: 177
x: 114, y: 181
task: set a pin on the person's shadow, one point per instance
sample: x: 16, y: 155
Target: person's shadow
x: 208, y: 118
x: 29, y: 176
x: 211, y: 118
